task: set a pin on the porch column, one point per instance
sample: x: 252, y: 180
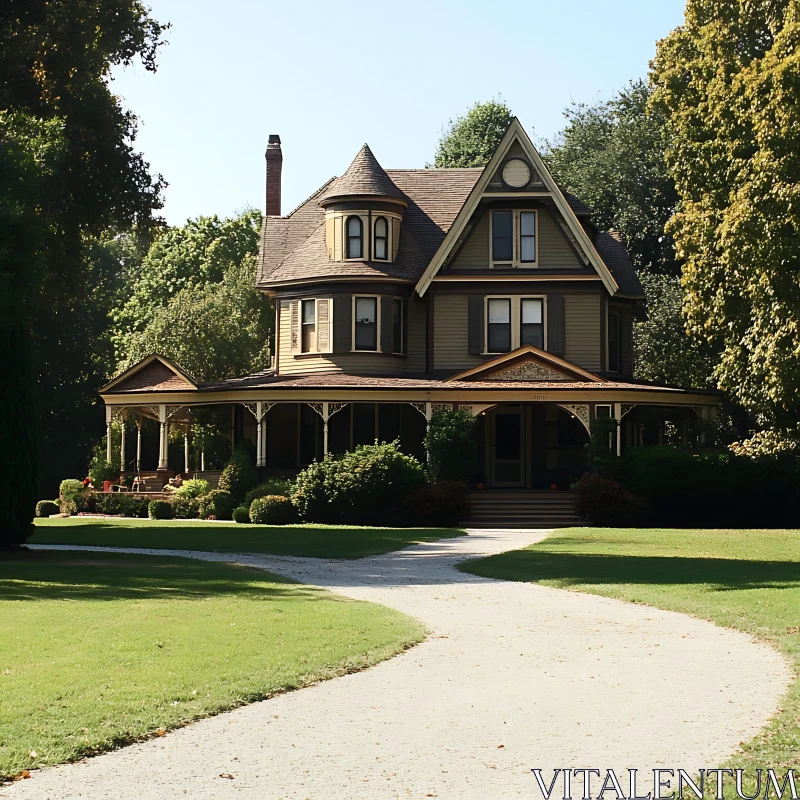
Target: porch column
x: 618, y: 418
x: 260, y: 456
x: 428, y: 416
x: 186, y: 451
x: 163, y: 438
x: 138, y: 445
x: 122, y: 445
x: 108, y: 433
x: 325, y: 417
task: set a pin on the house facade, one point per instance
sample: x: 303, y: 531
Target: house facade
x: 403, y: 290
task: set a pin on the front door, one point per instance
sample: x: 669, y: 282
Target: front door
x: 507, y: 459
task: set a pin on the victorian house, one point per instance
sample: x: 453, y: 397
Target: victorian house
x: 398, y: 291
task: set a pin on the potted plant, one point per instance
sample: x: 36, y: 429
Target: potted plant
x: 480, y: 481
x: 104, y: 473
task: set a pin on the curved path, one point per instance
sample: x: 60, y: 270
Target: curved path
x: 513, y: 676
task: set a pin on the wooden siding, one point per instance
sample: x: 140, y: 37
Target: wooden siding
x: 416, y: 338
x: 354, y: 363
x: 582, y: 330
x: 450, y: 341
x: 555, y: 251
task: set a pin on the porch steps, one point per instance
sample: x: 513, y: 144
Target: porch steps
x: 523, y: 509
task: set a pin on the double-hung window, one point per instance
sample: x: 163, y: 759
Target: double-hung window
x: 513, y: 239
x: 365, y: 323
x: 308, y: 326
x: 613, y: 342
x: 381, y: 239
x: 355, y: 237
x: 397, y: 325
x: 513, y: 322
x: 531, y: 322
x: 498, y: 324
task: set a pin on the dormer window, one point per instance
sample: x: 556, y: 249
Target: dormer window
x: 355, y: 237
x: 513, y: 239
x: 381, y: 239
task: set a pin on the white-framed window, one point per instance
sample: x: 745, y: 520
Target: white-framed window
x: 366, y: 323
x: 311, y: 325
x: 513, y: 322
x: 513, y: 239
x: 397, y: 324
x: 381, y: 239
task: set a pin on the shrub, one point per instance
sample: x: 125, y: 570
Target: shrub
x: 272, y: 510
x: 159, y: 509
x: 217, y: 504
x: 451, y: 446
x: 122, y: 504
x: 608, y: 503
x: 361, y: 487
x: 241, y: 514
x: 239, y: 474
x: 46, y: 508
x: 100, y: 471
x: 185, y: 507
x: 72, y: 496
x: 194, y: 487
x: 280, y: 486
x: 444, y: 504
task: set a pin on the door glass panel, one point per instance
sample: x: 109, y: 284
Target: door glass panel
x: 508, y: 431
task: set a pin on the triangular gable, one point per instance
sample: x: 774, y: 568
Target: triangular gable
x: 516, y: 135
x: 154, y: 373
x: 528, y: 363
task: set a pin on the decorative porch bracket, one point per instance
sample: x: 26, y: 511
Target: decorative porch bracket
x: 580, y: 411
x: 259, y: 410
x: 326, y: 411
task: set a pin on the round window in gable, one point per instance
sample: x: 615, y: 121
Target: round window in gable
x: 516, y: 173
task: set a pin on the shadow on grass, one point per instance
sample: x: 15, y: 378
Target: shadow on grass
x: 571, y: 569
x: 59, y: 575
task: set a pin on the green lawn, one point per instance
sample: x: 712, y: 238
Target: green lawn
x: 101, y: 649
x: 745, y: 579
x: 319, y: 541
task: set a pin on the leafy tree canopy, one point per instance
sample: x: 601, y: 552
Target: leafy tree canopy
x: 729, y: 81
x: 470, y: 140
x: 194, y: 301
x: 612, y: 155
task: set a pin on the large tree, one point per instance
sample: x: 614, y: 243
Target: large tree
x: 612, y: 155
x: 194, y: 300
x: 729, y: 81
x: 56, y: 59
x: 471, y: 139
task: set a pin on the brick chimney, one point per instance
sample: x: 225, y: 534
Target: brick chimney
x: 274, y: 158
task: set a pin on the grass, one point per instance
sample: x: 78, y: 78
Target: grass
x: 102, y: 649
x: 743, y: 579
x: 318, y: 541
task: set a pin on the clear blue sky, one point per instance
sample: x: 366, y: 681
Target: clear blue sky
x: 328, y: 77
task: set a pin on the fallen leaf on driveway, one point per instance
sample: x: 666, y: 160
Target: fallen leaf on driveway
x: 226, y: 775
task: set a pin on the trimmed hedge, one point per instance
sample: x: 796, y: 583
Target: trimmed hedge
x: 362, y: 487
x: 277, y: 486
x: 194, y: 487
x: 185, y: 507
x: 272, y: 510
x: 46, y: 508
x: 241, y: 514
x: 217, y: 504
x: 444, y: 504
x: 607, y: 503
x: 122, y: 504
x: 159, y: 509
x: 72, y: 496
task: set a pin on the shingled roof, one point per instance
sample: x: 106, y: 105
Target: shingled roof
x: 365, y: 177
x: 293, y: 248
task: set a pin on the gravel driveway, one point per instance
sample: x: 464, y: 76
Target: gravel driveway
x: 513, y: 676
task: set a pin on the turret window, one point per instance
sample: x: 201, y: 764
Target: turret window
x: 365, y: 323
x: 381, y: 239
x: 355, y: 237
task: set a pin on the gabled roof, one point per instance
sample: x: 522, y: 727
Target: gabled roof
x: 528, y: 363
x: 365, y: 177
x: 516, y: 133
x: 154, y: 373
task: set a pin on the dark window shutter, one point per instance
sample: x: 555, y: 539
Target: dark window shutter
x: 342, y: 323
x: 475, y: 324
x: 555, y: 324
x: 386, y: 323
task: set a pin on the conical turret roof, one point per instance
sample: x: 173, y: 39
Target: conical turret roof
x: 365, y: 177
